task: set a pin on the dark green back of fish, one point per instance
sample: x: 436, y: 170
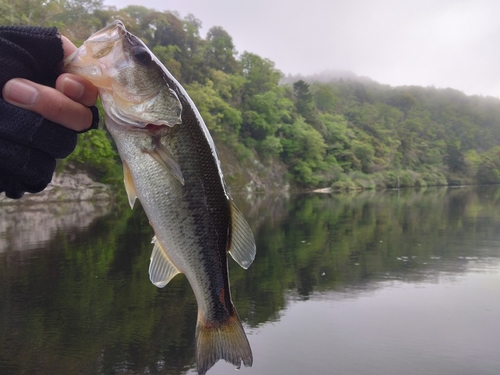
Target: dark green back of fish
x: 207, y: 200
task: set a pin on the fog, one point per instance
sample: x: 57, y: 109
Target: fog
x: 441, y: 43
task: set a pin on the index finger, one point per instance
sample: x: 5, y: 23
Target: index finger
x: 49, y: 103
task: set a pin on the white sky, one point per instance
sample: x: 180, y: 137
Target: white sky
x: 441, y: 43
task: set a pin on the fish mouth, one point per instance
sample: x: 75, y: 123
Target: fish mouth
x: 115, y: 30
x: 106, y: 59
x: 99, y: 44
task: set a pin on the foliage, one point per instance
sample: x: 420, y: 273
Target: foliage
x: 488, y: 170
x: 218, y: 115
x: 95, y: 154
x: 324, y: 132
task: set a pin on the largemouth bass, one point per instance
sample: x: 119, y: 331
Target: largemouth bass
x: 171, y: 165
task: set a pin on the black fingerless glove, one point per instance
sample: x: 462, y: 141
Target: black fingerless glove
x: 29, y: 143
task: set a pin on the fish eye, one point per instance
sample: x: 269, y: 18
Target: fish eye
x: 141, y: 55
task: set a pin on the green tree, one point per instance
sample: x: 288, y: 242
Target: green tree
x: 260, y: 74
x: 95, y: 154
x: 304, y: 150
x: 325, y: 98
x: 166, y: 54
x: 488, y: 172
x: 317, y: 130
x: 304, y: 101
x: 364, y: 153
x: 219, y: 116
x: 454, y: 157
x: 220, y: 52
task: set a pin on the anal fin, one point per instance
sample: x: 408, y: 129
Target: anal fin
x: 242, y: 247
x: 161, y: 269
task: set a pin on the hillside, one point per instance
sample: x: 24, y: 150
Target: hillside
x: 274, y: 132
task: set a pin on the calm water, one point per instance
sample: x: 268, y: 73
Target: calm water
x: 396, y: 282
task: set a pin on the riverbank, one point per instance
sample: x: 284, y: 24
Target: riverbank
x: 68, y: 187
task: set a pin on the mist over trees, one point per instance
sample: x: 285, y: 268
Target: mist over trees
x: 331, y: 130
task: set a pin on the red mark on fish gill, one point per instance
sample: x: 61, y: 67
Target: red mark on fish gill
x: 153, y: 128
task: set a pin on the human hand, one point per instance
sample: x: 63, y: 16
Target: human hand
x: 68, y: 104
x: 41, y: 110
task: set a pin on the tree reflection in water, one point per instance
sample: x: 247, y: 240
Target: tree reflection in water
x: 79, y: 301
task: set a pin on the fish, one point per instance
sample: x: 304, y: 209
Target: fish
x: 171, y: 165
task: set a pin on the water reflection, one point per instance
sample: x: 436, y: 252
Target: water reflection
x: 80, y: 302
x: 28, y: 226
x: 327, y: 243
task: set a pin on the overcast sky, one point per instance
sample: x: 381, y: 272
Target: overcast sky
x: 441, y: 43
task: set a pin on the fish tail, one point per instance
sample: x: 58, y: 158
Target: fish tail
x: 225, y: 340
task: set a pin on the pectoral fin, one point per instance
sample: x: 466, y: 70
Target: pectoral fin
x: 129, y: 185
x: 161, y: 270
x: 163, y: 156
x: 242, y: 247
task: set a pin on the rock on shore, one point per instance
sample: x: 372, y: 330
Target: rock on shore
x: 65, y: 188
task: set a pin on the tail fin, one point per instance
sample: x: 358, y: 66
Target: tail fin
x: 226, y: 341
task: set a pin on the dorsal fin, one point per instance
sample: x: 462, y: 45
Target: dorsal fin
x: 161, y: 270
x: 129, y: 185
x: 242, y: 247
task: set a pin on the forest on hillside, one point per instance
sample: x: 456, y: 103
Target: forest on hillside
x: 345, y: 133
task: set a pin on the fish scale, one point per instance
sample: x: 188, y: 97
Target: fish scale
x: 171, y: 166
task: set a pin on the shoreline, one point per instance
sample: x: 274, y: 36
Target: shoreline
x: 74, y: 187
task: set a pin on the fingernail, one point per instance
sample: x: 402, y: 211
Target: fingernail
x: 72, y: 88
x: 20, y: 92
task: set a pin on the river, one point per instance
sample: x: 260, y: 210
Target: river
x: 393, y: 282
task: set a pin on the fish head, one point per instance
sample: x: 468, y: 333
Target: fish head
x: 135, y: 88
